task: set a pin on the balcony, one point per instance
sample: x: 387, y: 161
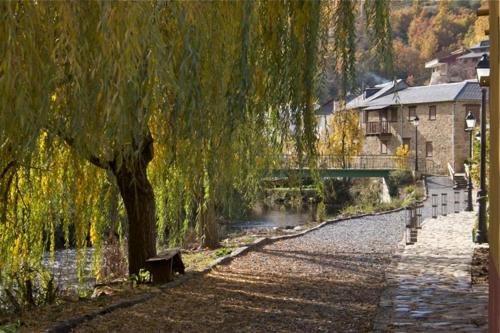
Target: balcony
x: 377, y: 128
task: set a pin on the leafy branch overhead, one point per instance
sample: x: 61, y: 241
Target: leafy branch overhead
x: 145, y: 119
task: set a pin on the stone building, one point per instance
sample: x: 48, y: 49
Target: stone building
x: 388, y: 110
x: 457, y: 66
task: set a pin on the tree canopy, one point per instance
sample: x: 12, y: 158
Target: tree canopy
x: 176, y: 106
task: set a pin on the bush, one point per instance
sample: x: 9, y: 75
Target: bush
x: 367, y: 192
x: 336, y: 191
x: 113, y: 261
x: 397, y: 179
x: 27, y: 288
x: 413, y: 193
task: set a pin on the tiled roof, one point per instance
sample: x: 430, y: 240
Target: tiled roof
x: 471, y: 91
x: 473, y: 55
x: 325, y: 109
x: 386, y: 88
x: 465, y: 90
x: 482, y: 44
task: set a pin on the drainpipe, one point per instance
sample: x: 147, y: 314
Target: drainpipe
x: 402, y: 117
x: 453, y: 136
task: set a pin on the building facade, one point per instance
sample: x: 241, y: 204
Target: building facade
x: 387, y: 113
x: 457, y: 66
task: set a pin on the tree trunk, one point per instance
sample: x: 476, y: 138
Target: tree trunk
x: 138, y: 198
x: 210, y: 237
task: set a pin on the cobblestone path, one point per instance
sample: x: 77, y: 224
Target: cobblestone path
x: 430, y: 286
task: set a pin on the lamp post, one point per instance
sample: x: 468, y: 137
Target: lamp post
x: 415, y: 122
x: 470, y: 123
x: 483, y: 76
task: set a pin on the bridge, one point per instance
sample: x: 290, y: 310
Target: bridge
x: 331, y: 166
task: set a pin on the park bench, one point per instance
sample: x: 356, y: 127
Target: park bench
x: 163, y: 267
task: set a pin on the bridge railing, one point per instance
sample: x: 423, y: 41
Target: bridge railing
x: 390, y: 162
x: 363, y: 162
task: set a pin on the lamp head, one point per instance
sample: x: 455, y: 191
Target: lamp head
x: 470, y: 121
x: 483, y: 71
x: 415, y: 120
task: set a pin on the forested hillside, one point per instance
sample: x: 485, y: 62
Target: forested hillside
x: 422, y: 30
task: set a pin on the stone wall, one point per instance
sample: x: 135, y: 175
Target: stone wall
x: 462, y: 138
x: 450, y: 142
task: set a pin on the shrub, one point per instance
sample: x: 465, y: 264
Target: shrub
x: 398, y: 178
x: 367, y: 192
x: 144, y: 276
x: 336, y: 191
x: 113, y: 263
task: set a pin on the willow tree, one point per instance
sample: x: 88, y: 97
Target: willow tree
x: 210, y: 89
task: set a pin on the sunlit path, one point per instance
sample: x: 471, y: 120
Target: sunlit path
x: 329, y: 280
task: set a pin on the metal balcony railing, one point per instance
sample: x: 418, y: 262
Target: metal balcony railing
x: 377, y: 128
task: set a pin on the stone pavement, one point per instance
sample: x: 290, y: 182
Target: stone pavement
x: 429, y: 285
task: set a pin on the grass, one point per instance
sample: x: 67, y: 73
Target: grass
x: 223, y: 251
x: 249, y: 239
x: 197, y: 261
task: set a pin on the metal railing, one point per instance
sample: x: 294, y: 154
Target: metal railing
x: 377, y: 127
x: 386, y: 162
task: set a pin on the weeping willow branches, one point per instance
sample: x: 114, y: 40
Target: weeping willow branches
x: 378, y: 24
x: 214, y: 87
x: 343, y: 15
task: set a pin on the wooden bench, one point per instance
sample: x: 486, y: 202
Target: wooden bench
x: 163, y: 267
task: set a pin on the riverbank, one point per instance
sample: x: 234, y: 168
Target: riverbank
x: 196, y: 261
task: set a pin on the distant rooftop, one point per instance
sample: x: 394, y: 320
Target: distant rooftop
x: 473, y: 55
x: 481, y: 47
x: 447, y: 92
x: 381, y: 90
x: 482, y: 44
x: 326, y: 108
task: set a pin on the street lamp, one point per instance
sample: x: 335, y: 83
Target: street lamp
x: 470, y: 123
x: 483, y: 77
x: 415, y: 122
x: 483, y: 71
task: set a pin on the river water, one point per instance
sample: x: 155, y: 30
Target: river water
x: 272, y: 218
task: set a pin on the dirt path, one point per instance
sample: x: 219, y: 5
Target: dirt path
x: 329, y: 280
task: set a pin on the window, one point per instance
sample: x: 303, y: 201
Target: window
x: 407, y: 142
x: 383, y: 147
x: 432, y: 112
x: 383, y: 115
x: 428, y: 149
x: 412, y: 112
x: 475, y: 109
x: 365, y: 116
x: 394, y: 115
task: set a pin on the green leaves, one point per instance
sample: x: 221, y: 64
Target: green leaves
x: 218, y: 87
